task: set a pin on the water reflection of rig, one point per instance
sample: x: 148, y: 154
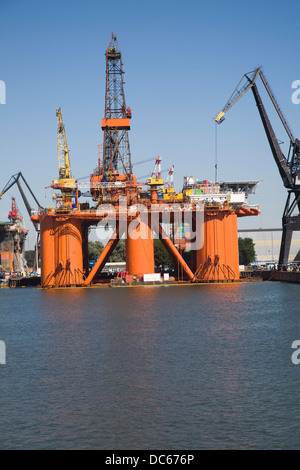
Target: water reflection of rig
x: 150, y: 206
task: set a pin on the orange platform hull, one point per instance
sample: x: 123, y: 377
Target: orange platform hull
x: 64, y: 248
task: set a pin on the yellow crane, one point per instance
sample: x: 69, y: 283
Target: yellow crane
x: 64, y: 165
x: 65, y: 183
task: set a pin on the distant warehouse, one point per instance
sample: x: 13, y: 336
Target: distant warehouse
x: 267, y: 243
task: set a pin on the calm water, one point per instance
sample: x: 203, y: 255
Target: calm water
x: 204, y: 367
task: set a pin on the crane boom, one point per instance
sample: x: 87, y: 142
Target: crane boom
x: 243, y: 86
x: 247, y: 81
x: 289, y: 167
x: 65, y: 182
x: 64, y: 165
x: 15, y: 179
x: 276, y: 106
x: 279, y: 158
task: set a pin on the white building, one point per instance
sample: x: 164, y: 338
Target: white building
x: 267, y: 243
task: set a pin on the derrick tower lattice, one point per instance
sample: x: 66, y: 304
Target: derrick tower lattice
x: 116, y: 148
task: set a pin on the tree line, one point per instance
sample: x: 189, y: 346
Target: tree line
x: 161, y: 255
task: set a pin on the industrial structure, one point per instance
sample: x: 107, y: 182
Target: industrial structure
x: 197, y: 226
x: 12, y: 240
x: 267, y: 243
x: 16, y: 180
x: 288, y: 166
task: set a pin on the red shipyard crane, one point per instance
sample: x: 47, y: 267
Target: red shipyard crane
x: 14, y: 213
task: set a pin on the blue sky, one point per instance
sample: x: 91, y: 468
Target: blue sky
x: 182, y: 62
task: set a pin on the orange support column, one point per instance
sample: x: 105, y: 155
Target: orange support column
x: 47, y: 250
x: 232, y: 245
x: 68, y: 240
x: 218, y: 259
x: 139, y: 250
x: 61, y: 251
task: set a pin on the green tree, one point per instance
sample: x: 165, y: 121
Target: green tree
x: 162, y: 256
x: 95, y: 250
x: 119, y: 253
x: 29, y: 256
x: 246, y: 251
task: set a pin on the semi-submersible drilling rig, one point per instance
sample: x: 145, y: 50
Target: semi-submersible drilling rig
x: 135, y: 212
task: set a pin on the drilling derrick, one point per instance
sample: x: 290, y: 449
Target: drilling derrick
x: 115, y: 171
x: 116, y: 149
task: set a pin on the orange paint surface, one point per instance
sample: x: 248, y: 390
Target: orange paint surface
x: 61, y: 251
x: 218, y: 259
x: 122, y: 124
x: 140, y: 252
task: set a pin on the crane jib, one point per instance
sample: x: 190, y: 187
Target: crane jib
x: 289, y: 167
